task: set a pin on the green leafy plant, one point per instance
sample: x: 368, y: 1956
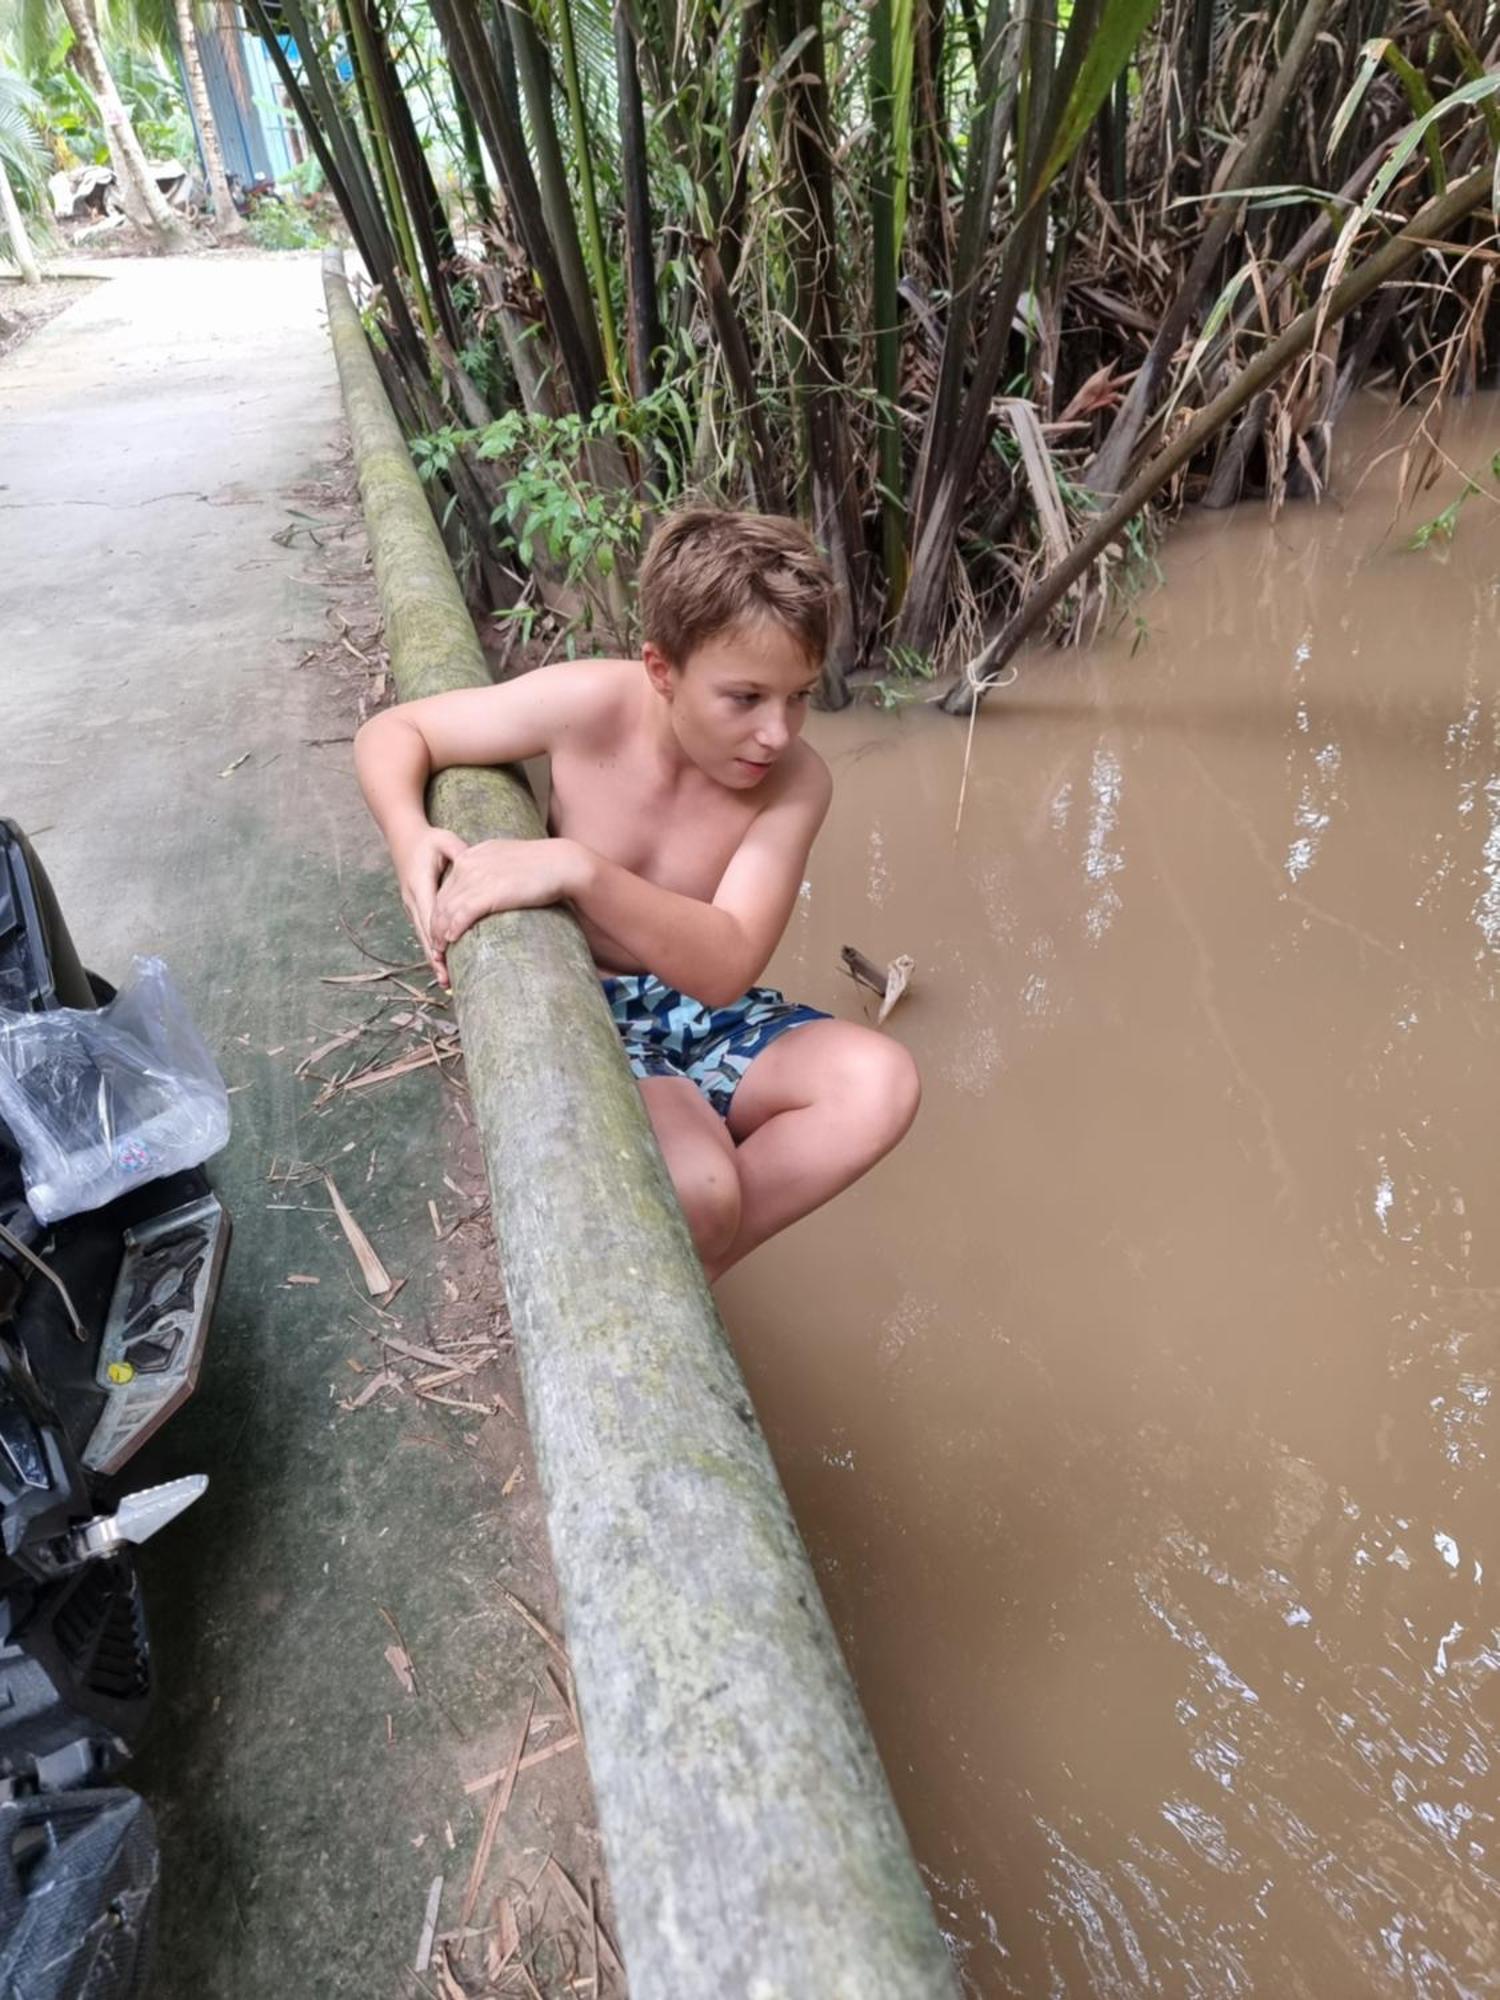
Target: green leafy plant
x: 549, y: 501
x: 156, y: 104
x: 22, y: 155
x: 1443, y: 526
x: 908, y: 671
x: 283, y: 225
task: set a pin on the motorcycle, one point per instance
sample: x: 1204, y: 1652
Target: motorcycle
x: 103, y: 1320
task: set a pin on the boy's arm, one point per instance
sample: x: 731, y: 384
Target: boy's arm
x: 397, y: 752
x: 713, y: 951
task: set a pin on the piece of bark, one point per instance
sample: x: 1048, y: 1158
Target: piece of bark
x: 864, y: 971
x: 897, y: 979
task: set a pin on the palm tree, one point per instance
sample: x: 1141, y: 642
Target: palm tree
x: 19, y: 154
x: 34, y: 22
x: 145, y: 204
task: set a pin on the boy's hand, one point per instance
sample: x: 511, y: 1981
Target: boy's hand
x: 419, y: 869
x: 502, y: 875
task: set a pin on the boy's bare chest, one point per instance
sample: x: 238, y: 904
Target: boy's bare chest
x: 682, y: 842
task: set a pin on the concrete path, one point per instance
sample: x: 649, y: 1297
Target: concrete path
x: 153, y: 439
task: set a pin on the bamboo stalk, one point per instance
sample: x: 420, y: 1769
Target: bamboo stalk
x: 1109, y: 468
x: 887, y: 303
x: 644, y: 321
x: 593, y: 233
x: 534, y: 73
x: 373, y: 99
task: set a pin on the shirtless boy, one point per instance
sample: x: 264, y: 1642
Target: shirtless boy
x: 683, y: 807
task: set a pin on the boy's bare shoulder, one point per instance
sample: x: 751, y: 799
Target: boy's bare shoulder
x: 588, y: 696
x: 803, y: 775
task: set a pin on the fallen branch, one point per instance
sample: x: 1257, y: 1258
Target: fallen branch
x: 499, y: 1800
x: 889, y: 982
x: 1435, y: 220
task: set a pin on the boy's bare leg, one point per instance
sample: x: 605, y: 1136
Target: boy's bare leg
x: 700, y: 1157
x: 815, y: 1111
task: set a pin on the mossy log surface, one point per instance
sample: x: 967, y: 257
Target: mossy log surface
x: 752, y: 1842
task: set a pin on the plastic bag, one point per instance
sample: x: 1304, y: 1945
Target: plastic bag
x: 99, y: 1101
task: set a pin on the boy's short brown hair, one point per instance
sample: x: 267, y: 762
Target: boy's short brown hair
x: 708, y: 569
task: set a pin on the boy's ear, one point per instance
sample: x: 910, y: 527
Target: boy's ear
x: 659, y: 670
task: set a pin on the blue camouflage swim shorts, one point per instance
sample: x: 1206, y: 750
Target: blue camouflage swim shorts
x: 667, y: 1034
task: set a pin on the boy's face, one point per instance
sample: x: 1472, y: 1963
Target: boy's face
x: 738, y: 699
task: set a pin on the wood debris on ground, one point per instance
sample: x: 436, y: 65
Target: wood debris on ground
x: 538, y: 1934
x: 429, y: 1925
x: 401, y: 1667
x: 402, y: 1027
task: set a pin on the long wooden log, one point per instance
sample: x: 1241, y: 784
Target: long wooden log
x: 752, y: 1842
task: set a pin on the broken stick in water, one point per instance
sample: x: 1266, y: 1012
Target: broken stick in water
x: 890, y: 981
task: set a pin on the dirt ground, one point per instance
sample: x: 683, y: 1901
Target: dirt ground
x: 25, y: 308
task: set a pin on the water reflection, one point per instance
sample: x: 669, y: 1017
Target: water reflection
x: 1140, y: 1411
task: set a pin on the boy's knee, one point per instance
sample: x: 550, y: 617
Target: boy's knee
x: 882, y: 1077
x: 900, y: 1087
x: 711, y: 1203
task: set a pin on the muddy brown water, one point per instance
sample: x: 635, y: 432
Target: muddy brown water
x: 1140, y: 1412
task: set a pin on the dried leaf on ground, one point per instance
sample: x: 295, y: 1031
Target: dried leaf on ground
x: 377, y: 1278
x: 386, y: 1379
x: 402, y: 1068
x: 584, y: 1909
x: 414, y: 1352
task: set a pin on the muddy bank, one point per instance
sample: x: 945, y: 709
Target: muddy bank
x: 1139, y: 1412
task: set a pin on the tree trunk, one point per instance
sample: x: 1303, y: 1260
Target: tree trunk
x: 818, y: 347
x: 227, y: 218
x: 640, y: 264
x: 145, y: 204
x: 15, y: 229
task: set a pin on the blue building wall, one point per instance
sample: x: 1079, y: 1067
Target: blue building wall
x: 259, y: 141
